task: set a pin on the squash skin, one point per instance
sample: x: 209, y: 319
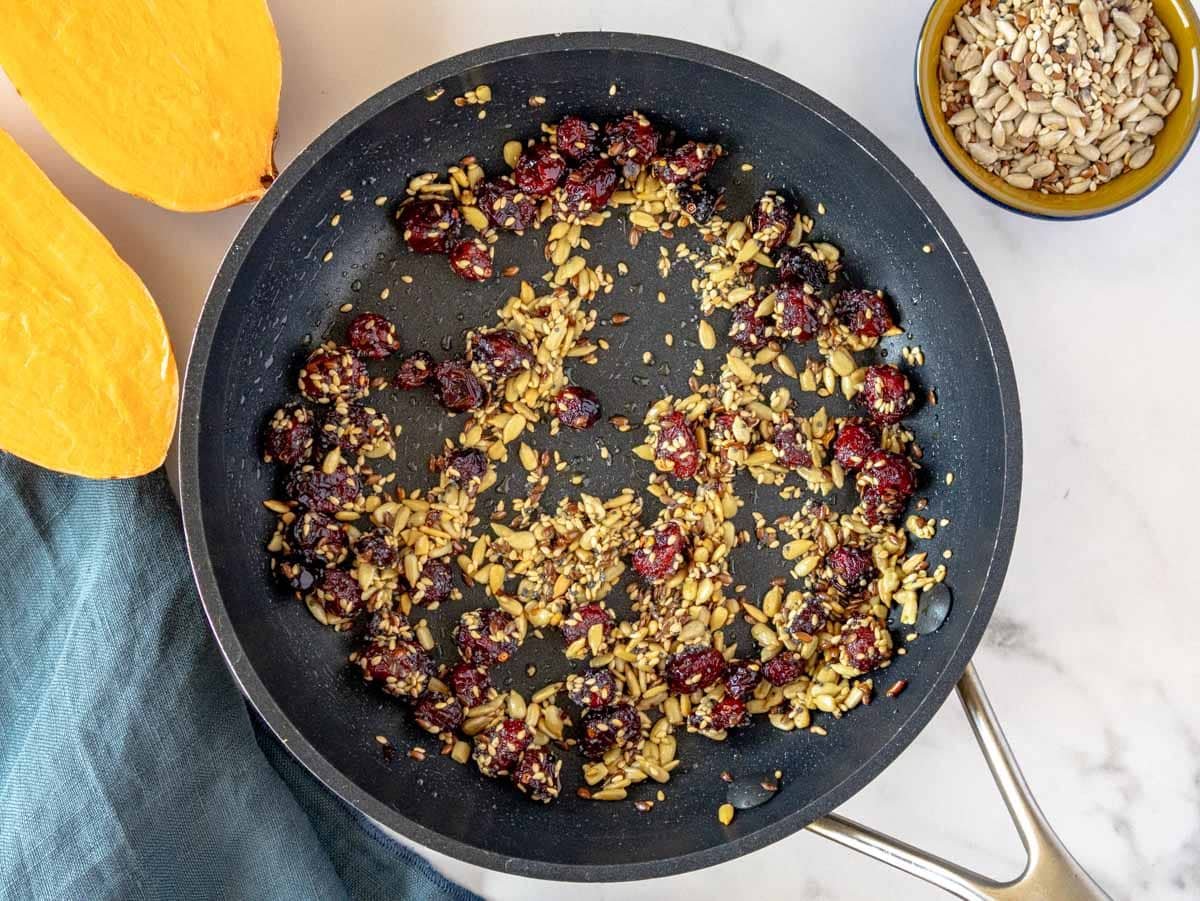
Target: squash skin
x: 176, y: 102
x: 88, y: 382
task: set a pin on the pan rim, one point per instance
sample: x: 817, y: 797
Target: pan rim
x: 190, y: 491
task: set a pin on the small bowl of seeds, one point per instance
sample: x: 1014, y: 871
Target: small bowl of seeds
x: 1061, y: 109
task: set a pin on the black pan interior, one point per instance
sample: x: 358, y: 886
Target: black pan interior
x: 274, y: 295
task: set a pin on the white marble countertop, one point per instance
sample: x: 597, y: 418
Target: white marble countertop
x: 1085, y: 660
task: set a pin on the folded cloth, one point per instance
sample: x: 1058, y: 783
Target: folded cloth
x: 129, y: 765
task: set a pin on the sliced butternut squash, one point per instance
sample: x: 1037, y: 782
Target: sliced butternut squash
x: 87, y: 379
x: 176, y: 102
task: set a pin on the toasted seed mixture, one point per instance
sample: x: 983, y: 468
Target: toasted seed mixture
x: 363, y: 552
x: 1058, y: 97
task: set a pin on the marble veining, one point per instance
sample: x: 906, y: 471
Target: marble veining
x: 1091, y: 660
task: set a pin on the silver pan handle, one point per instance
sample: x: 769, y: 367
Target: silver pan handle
x: 1051, y: 873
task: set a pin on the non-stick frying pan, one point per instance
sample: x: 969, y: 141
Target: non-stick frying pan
x: 275, y: 294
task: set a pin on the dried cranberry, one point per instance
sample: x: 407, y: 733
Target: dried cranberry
x: 851, y: 570
x: 687, y: 162
x: 727, y: 431
x: 593, y: 689
x: 885, y: 483
x: 391, y: 623
x: 790, y: 445
x: 589, y: 187
x: 486, y: 636
x: 886, y: 393
x: 575, y: 625
x: 866, y: 644
x: 889, y: 472
x: 718, y: 715
x: 784, y: 668
x: 415, y: 370
x: 400, y: 667
x: 747, y: 330
x: 677, y: 445
x: 616, y: 726
x: 772, y: 220
x: 506, y: 205
x: 354, y: 429
x: 288, y: 437
x: 866, y: 313
x: 536, y: 775
x: 806, y: 617
x: 576, y: 407
x: 499, y: 748
x: 324, y: 492
x: 741, y: 678
x: 372, y: 336
x: 429, y: 226
x: 438, y: 713
x: 798, y: 267
x: 856, y: 439
x: 799, y: 315
x: 699, y: 201
x: 877, y: 507
x: 501, y: 351
x: 338, y: 593
x: 318, y: 539
x: 465, y: 467
x: 694, y: 669
x: 729, y: 713
x: 539, y: 170
x: 459, y: 388
x: 379, y: 547
x: 471, y: 259
x: 631, y: 142
x: 333, y: 373
x: 575, y: 138
x: 434, y: 583
x: 660, y: 553
x: 470, y: 683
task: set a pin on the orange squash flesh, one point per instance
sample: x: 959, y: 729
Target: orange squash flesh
x: 88, y: 384
x: 176, y: 102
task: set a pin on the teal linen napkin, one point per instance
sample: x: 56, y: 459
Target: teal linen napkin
x: 129, y: 765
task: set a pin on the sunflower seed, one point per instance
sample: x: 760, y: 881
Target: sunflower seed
x: 983, y: 153
x: 964, y: 116
x: 1155, y: 105
x: 1151, y: 125
x: 1139, y: 158
x: 1066, y: 106
x: 1041, y: 168
x: 1091, y: 20
x: 1170, y: 55
x: 1125, y: 22
x: 1112, y: 141
x: 1117, y: 152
